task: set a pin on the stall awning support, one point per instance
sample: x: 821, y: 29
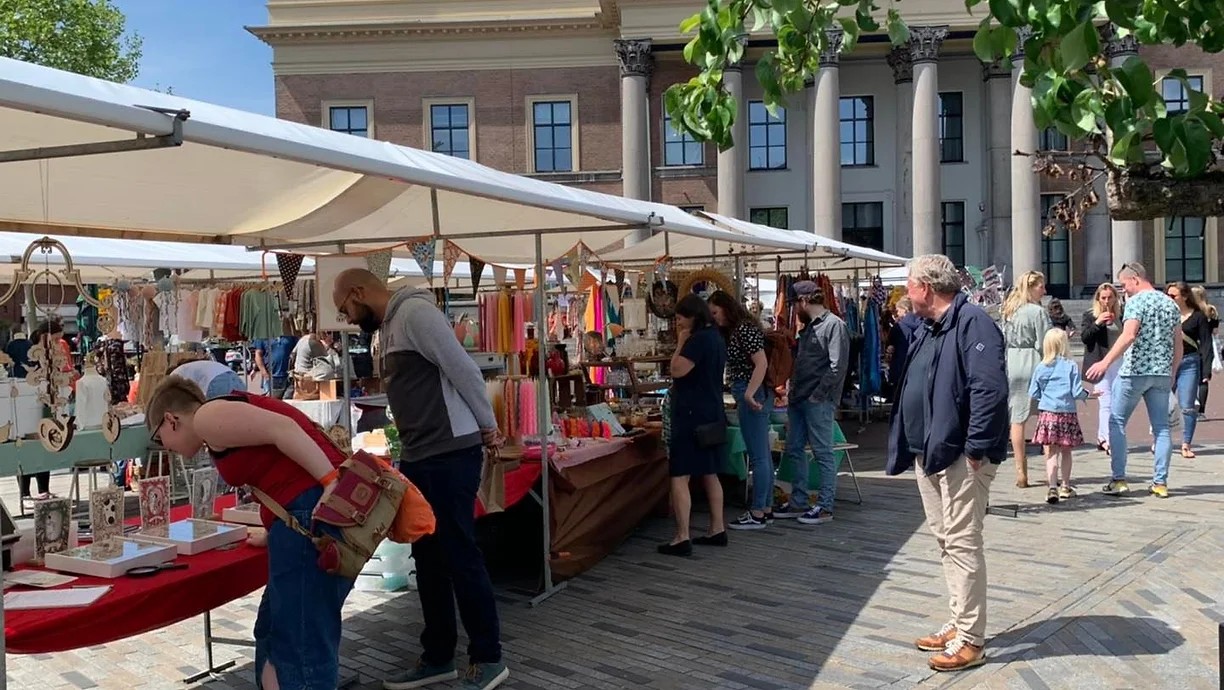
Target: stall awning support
x: 142, y: 142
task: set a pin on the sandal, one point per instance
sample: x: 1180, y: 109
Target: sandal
x: 1187, y: 453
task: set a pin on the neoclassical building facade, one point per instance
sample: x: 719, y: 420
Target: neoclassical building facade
x: 908, y: 149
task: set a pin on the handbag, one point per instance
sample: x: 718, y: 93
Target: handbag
x: 369, y: 502
x: 711, y: 435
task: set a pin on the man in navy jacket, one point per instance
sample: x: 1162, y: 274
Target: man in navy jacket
x: 950, y: 423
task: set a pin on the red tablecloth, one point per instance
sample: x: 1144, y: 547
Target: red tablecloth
x: 139, y: 605
x: 518, y: 484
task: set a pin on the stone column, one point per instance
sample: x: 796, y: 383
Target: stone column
x: 1098, y: 263
x: 903, y: 223
x: 826, y: 143
x: 733, y: 163
x: 1025, y: 196
x: 636, y: 64
x: 924, y: 46
x: 998, y: 176
x: 1126, y: 235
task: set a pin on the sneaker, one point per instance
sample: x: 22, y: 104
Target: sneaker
x: 750, y: 521
x: 938, y: 641
x: 786, y: 511
x: 1159, y: 490
x: 1065, y: 492
x: 1052, y: 496
x: 421, y: 676
x: 1116, y: 487
x: 816, y: 516
x: 485, y: 676
x: 958, y: 656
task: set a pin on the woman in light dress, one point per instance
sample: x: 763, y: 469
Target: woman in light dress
x: 1025, y: 323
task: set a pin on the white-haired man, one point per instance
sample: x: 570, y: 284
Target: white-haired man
x: 950, y: 424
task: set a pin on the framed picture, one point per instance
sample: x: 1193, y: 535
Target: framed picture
x: 203, y: 492
x: 327, y: 269
x: 106, y: 513
x: 154, y: 502
x: 52, y: 524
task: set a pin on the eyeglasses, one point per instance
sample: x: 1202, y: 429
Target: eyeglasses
x: 342, y: 308
x: 156, y: 435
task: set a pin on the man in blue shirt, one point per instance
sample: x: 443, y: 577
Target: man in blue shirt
x: 273, y: 360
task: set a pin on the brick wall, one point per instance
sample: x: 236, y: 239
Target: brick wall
x: 500, y: 116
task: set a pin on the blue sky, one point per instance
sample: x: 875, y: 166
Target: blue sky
x: 201, y: 50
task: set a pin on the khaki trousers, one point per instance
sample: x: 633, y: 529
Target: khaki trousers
x: 954, y: 501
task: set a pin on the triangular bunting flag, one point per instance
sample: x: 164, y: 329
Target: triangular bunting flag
x: 558, y: 275
x: 499, y: 275
x: 450, y: 256
x: 379, y: 263
x: 477, y: 268
x: 424, y: 252
x: 573, y: 269
x: 520, y: 278
x: 289, y: 265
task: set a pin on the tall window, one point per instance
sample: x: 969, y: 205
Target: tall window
x: 857, y: 114
x: 951, y: 127
x: 1051, y: 139
x: 1185, y: 241
x: 679, y: 147
x: 353, y: 119
x: 954, y: 231
x: 775, y: 217
x: 1055, y: 250
x: 766, y: 137
x: 551, y: 125
x: 1176, y: 96
x: 863, y: 224
x: 450, y: 130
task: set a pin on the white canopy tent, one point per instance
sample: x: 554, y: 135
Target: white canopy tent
x: 751, y: 237
x: 84, y: 156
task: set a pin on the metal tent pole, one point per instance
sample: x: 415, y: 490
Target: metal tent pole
x: 544, y: 419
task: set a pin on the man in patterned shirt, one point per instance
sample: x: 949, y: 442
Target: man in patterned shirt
x: 1151, y: 349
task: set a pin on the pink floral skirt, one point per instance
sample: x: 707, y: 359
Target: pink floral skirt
x: 1058, y: 429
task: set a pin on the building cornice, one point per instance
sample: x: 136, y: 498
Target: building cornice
x: 315, y: 33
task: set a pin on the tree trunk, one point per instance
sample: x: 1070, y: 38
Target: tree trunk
x: 1136, y: 196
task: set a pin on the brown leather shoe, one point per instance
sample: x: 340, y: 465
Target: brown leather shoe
x: 959, y: 656
x: 936, y: 642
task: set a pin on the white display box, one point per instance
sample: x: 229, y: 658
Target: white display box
x: 192, y: 536
x: 246, y: 514
x: 110, y: 559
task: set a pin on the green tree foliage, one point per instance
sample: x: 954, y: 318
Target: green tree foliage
x: 1116, y: 111
x: 82, y: 36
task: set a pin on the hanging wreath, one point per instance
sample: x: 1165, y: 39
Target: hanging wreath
x: 707, y: 276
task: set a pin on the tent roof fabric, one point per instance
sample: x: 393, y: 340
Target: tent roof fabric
x: 244, y: 178
x: 751, y: 237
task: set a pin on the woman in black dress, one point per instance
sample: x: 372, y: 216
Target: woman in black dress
x: 696, y: 415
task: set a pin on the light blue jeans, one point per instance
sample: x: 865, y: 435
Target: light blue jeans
x: 754, y: 426
x: 811, y: 424
x: 1189, y: 374
x: 1127, y: 392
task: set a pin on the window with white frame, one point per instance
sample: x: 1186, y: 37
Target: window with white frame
x: 552, y: 123
x: 680, y: 147
x: 1055, y: 249
x: 766, y: 137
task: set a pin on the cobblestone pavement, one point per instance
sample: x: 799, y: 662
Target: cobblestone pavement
x: 1097, y: 592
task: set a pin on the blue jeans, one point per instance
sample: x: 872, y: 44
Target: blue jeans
x: 298, y: 625
x: 754, y: 426
x: 224, y: 384
x: 1127, y: 391
x: 1189, y: 374
x: 450, y: 567
x: 811, y: 424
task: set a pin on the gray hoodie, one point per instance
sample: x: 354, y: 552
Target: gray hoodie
x: 435, y: 390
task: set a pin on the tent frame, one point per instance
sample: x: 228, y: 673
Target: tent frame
x: 142, y: 142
